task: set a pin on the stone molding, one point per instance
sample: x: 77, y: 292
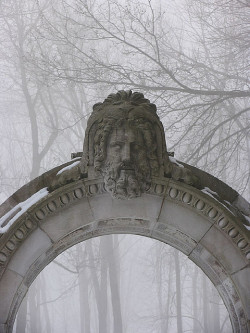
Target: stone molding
x: 126, y: 182
x: 174, y: 191
x: 166, y: 191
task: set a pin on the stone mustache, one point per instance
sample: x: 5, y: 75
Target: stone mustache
x: 125, y: 144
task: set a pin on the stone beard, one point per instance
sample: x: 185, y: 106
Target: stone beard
x: 126, y: 155
x: 125, y: 143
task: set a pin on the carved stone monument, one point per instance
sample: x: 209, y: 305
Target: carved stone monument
x: 125, y: 144
x: 125, y: 156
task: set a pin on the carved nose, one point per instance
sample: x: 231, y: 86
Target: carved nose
x: 126, y: 152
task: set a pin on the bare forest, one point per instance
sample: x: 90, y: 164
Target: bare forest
x: 59, y: 58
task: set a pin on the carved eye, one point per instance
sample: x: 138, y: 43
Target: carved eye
x: 135, y: 147
x: 116, y: 146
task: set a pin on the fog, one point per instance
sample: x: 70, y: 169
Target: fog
x: 64, y: 298
x: 59, y: 58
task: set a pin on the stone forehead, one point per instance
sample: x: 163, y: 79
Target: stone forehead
x: 122, y: 105
x: 123, y: 134
x: 115, y: 114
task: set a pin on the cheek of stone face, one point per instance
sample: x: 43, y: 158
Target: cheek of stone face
x: 141, y: 154
x: 138, y: 151
x: 142, y: 163
x: 114, y: 154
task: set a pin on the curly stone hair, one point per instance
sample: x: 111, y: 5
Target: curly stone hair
x: 110, y: 114
x: 122, y: 96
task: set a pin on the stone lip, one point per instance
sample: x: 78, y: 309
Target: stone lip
x: 226, y: 195
x: 30, y: 188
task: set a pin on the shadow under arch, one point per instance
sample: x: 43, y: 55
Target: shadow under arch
x: 184, y: 217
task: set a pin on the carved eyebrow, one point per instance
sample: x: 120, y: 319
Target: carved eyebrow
x: 115, y: 143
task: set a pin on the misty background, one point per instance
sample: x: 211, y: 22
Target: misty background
x: 57, y: 59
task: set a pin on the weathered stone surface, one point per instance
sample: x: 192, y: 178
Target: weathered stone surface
x: 36, y: 244
x: 209, y: 264
x: 29, y: 189
x: 66, y: 221
x: 226, y: 252
x: 146, y: 207
x: 125, y: 142
x: 146, y: 215
x: 125, y: 157
x: 8, y: 286
x: 242, y: 281
x: 187, y: 221
x: 174, y: 237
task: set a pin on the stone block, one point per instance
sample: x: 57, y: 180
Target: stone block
x: 9, y: 284
x: 242, y: 281
x: 169, y: 235
x: 209, y: 264
x: 184, y: 219
x: 36, y: 244
x: 222, y: 248
x: 146, y: 207
x: 68, y: 220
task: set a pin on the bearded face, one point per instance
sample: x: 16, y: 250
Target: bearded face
x: 125, y: 144
x: 126, y: 169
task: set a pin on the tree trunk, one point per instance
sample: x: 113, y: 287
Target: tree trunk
x: 178, y: 291
x: 101, y: 302
x: 42, y: 291
x: 205, y: 304
x: 114, y: 285
x: 170, y: 278
x: 84, y: 301
x: 103, y: 316
x: 196, y: 327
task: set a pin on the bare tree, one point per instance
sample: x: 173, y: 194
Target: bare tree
x: 190, y: 58
x: 193, y: 66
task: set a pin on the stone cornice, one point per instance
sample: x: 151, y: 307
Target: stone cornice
x: 202, y: 203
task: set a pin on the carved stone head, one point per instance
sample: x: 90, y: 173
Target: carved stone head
x: 125, y: 143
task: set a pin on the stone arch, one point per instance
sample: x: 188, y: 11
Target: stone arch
x: 126, y: 182
x: 211, y: 233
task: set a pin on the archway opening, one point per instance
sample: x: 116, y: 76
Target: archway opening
x: 124, y: 283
